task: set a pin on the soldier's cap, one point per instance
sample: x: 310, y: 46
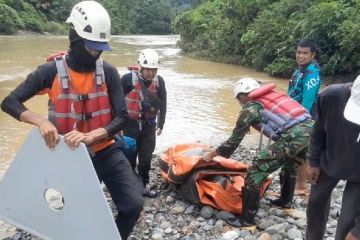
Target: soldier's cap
x: 352, y: 108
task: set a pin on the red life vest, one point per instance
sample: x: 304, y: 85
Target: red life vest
x: 135, y: 96
x: 280, y: 111
x: 79, y: 101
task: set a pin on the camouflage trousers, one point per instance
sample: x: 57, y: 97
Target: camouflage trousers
x: 286, y: 153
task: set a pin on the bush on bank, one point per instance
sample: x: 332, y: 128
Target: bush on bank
x: 10, y: 20
x: 263, y: 33
x: 128, y: 17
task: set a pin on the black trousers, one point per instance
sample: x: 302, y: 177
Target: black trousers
x: 319, y: 206
x: 114, y: 170
x: 145, y: 143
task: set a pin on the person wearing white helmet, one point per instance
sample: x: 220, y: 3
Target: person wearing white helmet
x: 245, y: 85
x: 95, y: 31
x: 86, y: 104
x: 282, y: 120
x: 145, y: 95
x: 334, y: 155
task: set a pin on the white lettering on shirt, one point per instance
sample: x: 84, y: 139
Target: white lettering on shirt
x: 313, y: 82
x: 358, y: 139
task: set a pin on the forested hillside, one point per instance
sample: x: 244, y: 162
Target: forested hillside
x: 128, y: 16
x: 264, y: 33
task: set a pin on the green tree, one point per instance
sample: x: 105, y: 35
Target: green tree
x: 154, y: 17
x: 136, y: 16
x: 10, y: 20
x: 264, y: 34
x: 32, y: 19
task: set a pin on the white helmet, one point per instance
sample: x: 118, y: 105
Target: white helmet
x: 245, y: 85
x: 91, y: 22
x: 148, y: 58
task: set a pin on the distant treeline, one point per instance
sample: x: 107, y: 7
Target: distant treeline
x: 263, y: 33
x: 128, y: 16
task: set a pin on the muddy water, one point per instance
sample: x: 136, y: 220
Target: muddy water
x: 200, y: 101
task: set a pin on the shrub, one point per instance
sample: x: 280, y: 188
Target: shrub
x: 281, y: 67
x: 55, y: 28
x: 32, y: 19
x: 10, y: 20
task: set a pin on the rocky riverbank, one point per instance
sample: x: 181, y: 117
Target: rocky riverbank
x: 169, y: 217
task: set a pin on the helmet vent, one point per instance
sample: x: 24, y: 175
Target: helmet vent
x: 88, y: 29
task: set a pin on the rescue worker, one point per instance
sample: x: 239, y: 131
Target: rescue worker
x: 334, y: 155
x: 281, y: 119
x: 145, y: 95
x: 304, y: 87
x: 86, y: 104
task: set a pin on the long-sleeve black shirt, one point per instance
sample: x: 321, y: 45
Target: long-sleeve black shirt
x: 42, y: 78
x: 127, y: 85
x: 335, y: 142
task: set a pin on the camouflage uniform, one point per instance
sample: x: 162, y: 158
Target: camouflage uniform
x: 286, y: 153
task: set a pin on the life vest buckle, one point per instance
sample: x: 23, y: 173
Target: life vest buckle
x: 83, y: 97
x: 86, y: 116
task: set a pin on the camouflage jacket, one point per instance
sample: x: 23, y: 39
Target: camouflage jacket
x: 251, y: 115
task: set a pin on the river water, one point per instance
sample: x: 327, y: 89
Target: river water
x: 200, y: 100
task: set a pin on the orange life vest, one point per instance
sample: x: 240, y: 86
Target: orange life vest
x: 280, y: 111
x: 135, y: 96
x: 79, y: 101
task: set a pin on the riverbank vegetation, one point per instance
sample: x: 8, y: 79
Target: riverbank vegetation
x: 263, y: 33
x: 128, y: 17
x: 259, y: 33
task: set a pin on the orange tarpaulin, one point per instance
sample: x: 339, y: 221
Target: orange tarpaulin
x: 218, y: 183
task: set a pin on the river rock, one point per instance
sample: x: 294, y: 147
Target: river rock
x: 177, y: 209
x: 298, y: 214
x: 274, y: 229
x: 265, y: 236
x: 190, y: 209
x: 301, y: 223
x: 294, y: 233
x: 165, y: 225
x: 230, y: 235
x: 224, y: 215
x: 206, y: 212
x: 265, y: 223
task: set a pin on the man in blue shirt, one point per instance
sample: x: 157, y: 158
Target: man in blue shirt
x: 304, y: 87
x: 305, y: 82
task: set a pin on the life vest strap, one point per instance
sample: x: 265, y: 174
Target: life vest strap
x: 64, y: 76
x: 62, y: 72
x: 99, y: 73
x: 279, y: 104
x: 79, y: 116
x: 81, y: 97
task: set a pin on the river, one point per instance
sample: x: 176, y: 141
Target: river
x: 200, y: 100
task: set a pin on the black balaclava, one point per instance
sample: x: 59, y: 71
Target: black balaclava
x: 79, y: 58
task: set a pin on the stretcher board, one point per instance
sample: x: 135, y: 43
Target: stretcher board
x: 85, y: 213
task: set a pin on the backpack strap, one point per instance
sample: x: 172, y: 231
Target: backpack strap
x: 99, y: 72
x: 156, y: 80
x: 135, y: 79
x: 62, y: 71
